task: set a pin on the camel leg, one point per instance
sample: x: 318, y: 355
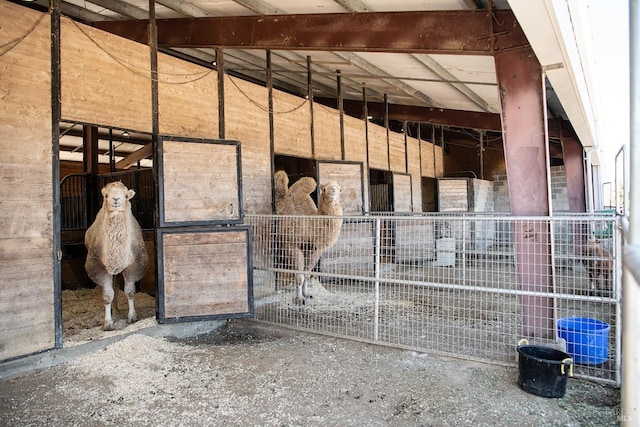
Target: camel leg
x: 96, y: 272
x: 130, y: 275
x: 314, y: 257
x: 107, y: 298
x: 130, y: 290
x: 302, y: 285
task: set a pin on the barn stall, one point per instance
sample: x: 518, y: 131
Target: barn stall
x: 93, y: 75
x: 424, y: 281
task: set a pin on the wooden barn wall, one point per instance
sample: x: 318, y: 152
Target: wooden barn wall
x: 200, y: 181
x: 355, y: 148
x: 396, y: 152
x: 187, y: 99
x: 439, y: 162
x: 205, y: 273
x: 378, y: 158
x: 355, y: 141
x: 413, y: 154
x: 402, y: 196
x: 291, y: 125
x: 247, y: 121
x: 27, y: 324
x: 327, y: 133
x: 428, y: 166
x: 105, y: 78
x: 349, y: 176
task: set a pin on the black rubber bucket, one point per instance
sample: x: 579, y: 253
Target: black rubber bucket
x: 543, y: 370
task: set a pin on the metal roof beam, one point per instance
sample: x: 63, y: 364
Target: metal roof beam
x: 468, y: 32
x: 414, y: 114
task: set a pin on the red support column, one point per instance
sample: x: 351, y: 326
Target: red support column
x: 574, y: 168
x: 523, y: 127
x: 573, y: 154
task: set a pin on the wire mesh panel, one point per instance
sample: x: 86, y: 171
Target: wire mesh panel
x: 469, y: 286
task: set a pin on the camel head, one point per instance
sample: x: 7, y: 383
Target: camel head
x: 116, y: 197
x: 280, y: 183
x: 331, y: 190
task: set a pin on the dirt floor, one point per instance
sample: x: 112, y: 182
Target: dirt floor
x: 249, y: 373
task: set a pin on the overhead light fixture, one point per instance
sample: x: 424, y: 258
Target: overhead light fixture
x: 125, y: 134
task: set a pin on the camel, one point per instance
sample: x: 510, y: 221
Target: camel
x: 115, y: 245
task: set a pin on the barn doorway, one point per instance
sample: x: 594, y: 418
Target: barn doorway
x: 296, y: 168
x: 380, y: 191
x: 90, y: 156
x: 429, y: 194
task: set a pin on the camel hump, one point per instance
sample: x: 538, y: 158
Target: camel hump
x: 303, y: 186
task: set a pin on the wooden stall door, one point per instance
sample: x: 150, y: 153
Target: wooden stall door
x: 402, y: 200
x: 204, y: 256
x: 350, y: 177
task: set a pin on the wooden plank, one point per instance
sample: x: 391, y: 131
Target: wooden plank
x: 248, y: 123
x: 326, y: 123
x: 428, y: 168
x: 200, y: 181
x: 349, y: 176
x: 378, y: 158
x: 27, y: 324
x: 355, y: 143
x: 187, y: 98
x: 291, y: 125
x: 397, y: 152
x: 196, y: 288
x: 402, y: 193
x: 100, y: 69
x: 439, y: 162
x: 413, y: 154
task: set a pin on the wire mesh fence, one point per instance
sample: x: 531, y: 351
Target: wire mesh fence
x: 469, y: 286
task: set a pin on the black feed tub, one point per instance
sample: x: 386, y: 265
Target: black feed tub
x: 542, y: 370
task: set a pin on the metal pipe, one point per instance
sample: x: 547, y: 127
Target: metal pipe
x: 220, y: 69
x: 625, y: 208
x: 376, y: 269
x: 630, y: 392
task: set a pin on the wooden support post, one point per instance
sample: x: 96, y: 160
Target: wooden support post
x: 520, y: 87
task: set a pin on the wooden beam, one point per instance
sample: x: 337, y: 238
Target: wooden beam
x: 134, y: 157
x: 460, y: 32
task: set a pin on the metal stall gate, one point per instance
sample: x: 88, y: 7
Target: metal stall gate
x: 470, y: 308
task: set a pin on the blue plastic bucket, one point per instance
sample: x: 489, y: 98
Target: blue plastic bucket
x: 587, y: 339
